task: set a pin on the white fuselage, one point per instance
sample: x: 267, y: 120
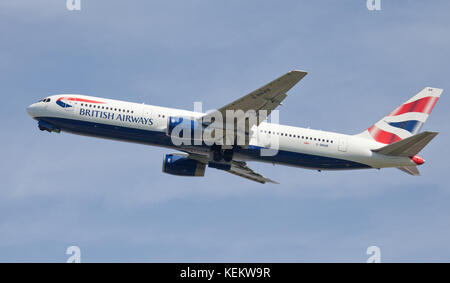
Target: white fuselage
x: 147, y: 124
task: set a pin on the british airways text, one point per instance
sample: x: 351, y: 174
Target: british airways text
x: 115, y: 116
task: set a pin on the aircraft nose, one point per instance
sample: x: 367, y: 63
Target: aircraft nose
x: 32, y: 110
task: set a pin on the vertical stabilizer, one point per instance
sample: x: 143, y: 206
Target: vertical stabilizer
x: 406, y: 120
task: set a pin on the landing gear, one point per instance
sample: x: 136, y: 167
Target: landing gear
x: 45, y: 129
x: 218, y: 155
x: 228, y: 155
x: 222, y: 155
x: 44, y: 126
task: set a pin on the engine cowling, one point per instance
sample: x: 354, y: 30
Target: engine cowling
x: 186, y: 128
x: 182, y: 166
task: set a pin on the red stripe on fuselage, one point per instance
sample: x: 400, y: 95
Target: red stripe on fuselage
x: 83, y: 100
x: 423, y: 105
x: 382, y: 136
x: 80, y: 100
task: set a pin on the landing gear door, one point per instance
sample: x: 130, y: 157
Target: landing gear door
x: 342, y: 144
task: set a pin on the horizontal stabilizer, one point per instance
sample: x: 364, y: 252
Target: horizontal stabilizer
x: 407, y: 147
x: 411, y: 170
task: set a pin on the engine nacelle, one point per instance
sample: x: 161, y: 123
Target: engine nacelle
x: 182, y: 166
x: 184, y: 128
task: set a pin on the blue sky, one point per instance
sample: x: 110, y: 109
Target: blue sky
x: 111, y: 198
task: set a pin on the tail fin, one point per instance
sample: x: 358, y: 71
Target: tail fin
x: 406, y: 120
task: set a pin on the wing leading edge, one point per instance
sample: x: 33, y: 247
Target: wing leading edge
x: 238, y: 168
x: 267, y: 98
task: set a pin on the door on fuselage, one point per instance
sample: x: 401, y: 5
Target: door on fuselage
x: 342, y: 144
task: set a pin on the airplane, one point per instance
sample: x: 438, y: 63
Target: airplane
x: 392, y: 142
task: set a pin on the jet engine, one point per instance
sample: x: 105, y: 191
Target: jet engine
x: 177, y: 164
x: 183, y: 128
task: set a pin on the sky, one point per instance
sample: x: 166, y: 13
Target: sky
x: 111, y: 199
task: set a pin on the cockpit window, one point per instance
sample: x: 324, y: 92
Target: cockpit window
x: 45, y: 100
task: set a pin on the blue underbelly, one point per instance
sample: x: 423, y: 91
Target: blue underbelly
x: 161, y: 139
x: 302, y: 160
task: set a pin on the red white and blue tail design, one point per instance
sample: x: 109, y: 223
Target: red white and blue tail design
x: 406, y: 120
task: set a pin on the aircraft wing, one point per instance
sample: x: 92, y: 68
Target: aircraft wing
x: 241, y: 169
x: 238, y: 168
x: 266, y: 98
